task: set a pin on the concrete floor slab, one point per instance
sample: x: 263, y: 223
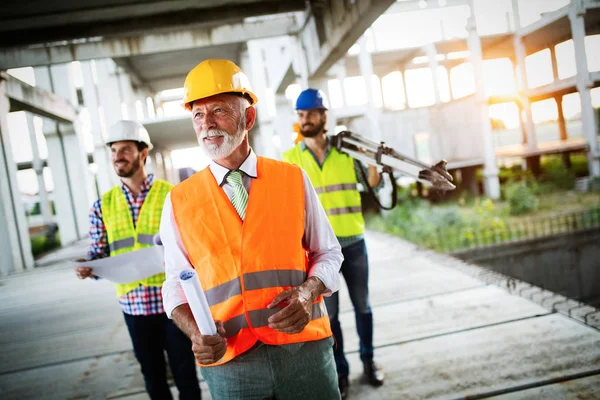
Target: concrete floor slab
x: 91, y: 378
x: 392, y: 280
x: 64, y: 338
x: 581, y: 389
x: 440, y: 314
x: 483, y: 360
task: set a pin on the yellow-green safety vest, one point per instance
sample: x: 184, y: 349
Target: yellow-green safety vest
x: 335, y: 184
x: 124, y: 237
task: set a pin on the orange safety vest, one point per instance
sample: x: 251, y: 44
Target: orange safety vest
x: 243, y: 266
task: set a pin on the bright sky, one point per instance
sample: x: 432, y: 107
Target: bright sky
x: 394, y: 31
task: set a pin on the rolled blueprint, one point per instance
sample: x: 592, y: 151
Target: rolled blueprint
x: 197, y: 301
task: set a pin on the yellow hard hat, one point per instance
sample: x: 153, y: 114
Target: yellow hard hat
x: 212, y: 77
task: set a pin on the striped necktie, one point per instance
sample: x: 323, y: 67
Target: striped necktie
x: 239, y: 199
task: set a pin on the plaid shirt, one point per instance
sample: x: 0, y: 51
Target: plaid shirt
x: 143, y: 300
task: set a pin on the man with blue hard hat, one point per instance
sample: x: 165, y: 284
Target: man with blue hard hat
x: 335, y: 176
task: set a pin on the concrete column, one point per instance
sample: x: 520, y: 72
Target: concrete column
x: 159, y: 168
x: 562, y: 125
x: 340, y: 75
x: 171, y: 173
x: 554, y: 61
x: 283, y: 124
x: 403, y: 75
x: 584, y: 87
x: 490, y: 170
x: 433, y: 67
x: 109, y: 93
x: 373, y: 116
x: 15, y: 246
x: 105, y: 175
x: 520, y: 54
x: 141, y: 96
x: 255, y: 67
x: 38, y: 167
x: 73, y: 190
x: 299, y: 63
x: 127, y: 96
x: 80, y: 184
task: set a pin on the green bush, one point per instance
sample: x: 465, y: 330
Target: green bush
x: 556, y: 173
x: 521, y: 198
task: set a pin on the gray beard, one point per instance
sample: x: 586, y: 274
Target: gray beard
x: 223, y: 150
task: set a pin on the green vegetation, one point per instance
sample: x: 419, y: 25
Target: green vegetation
x: 523, y: 210
x: 41, y: 244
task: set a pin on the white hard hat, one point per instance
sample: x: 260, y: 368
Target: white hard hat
x: 128, y: 130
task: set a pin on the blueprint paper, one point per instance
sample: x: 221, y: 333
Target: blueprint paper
x: 197, y: 301
x: 127, y: 267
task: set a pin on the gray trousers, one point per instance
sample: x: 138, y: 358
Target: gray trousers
x: 276, y: 372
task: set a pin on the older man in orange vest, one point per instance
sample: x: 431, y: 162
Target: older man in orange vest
x: 265, y: 254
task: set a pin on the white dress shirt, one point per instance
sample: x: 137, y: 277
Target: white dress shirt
x: 324, y: 251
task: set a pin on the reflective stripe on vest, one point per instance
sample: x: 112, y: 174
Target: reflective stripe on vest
x: 335, y: 188
x: 336, y: 185
x: 122, y: 234
x: 253, y: 281
x: 260, y: 318
x: 244, y: 265
x: 130, y: 242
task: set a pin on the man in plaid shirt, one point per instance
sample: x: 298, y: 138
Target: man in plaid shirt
x: 150, y: 330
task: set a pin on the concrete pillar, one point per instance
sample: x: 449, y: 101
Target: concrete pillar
x: 520, y: 54
x: 73, y: 190
x: 159, y: 167
x: 584, y: 87
x: 341, y: 74
x: 38, y: 167
x: 141, y: 97
x: 490, y: 170
x: 562, y: 125
x: 255, y: 65
x: 109, y: 93
x: 554, y: 61
x: 15, y: 245
x: 127, y: 96
x: 373, y: 116
x: 105, y: 175
x: 433, y: 67
x: 171, y: 173
x: 403, y: 75
x: 299, y: 63
x: 284, y: 123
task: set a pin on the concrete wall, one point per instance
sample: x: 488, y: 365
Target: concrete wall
x: 568, y: 264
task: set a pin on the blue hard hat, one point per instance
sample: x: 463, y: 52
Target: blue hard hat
x: 311, y: 99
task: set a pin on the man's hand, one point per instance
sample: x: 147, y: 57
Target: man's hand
x: 84, y: 272
x: 209, y: 349
x: 298, y: 311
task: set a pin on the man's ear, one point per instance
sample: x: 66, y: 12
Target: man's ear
x: 144, y: 153
x: 250, y: 117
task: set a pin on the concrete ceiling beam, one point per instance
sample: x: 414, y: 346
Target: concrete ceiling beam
x: 24, y: 97
x: 128, y: 19
x: 148, y: 44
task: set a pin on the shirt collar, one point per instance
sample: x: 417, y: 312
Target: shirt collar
x: 145, y: 185
x: 327, y: 149
x: 248, y: 167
